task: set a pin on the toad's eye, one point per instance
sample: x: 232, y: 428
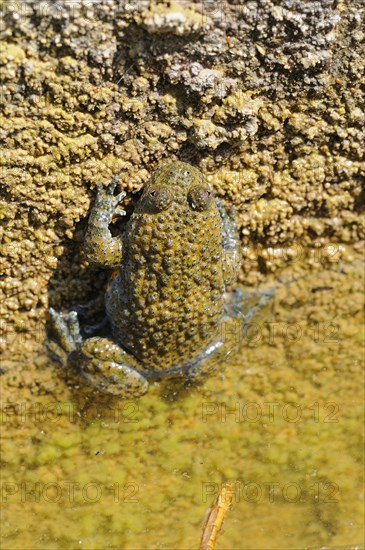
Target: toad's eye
x: 158, y: 199
x: 199, y: 198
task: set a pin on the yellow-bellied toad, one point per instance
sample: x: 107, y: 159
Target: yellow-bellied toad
x: 165, y: 299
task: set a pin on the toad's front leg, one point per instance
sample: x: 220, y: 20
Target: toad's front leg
x: 231, y: 256
x: 101, y: 247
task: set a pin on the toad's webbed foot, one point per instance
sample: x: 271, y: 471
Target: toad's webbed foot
x: 67, y: 329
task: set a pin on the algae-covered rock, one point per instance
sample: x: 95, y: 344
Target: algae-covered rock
x: 265, y: 98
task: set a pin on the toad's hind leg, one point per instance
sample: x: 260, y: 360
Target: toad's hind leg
x: 110, y: 369
x: 239, y: 312
x: 207, y: 363
x: 248, y: 306
x: 103, y: 364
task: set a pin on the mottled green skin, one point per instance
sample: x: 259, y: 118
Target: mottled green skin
x: 165, y: 298
x: 167, y: 301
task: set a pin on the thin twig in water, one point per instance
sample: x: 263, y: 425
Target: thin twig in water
x: 215, y: 515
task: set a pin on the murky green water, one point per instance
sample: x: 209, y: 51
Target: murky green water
x: 284, y: 422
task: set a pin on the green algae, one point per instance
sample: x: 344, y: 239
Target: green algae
x: 283, y: 422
